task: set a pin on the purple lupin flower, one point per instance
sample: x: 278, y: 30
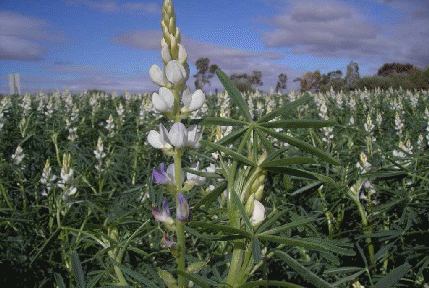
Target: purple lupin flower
x: 159, y: 176
x: 163, y: 215
x: 182, y: 210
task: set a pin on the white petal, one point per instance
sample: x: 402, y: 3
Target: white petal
x: 178, y: 135
x: 165, y: 54
x: 182, y: 54
x: 159, y: 103
x: 186, y: 97
x: 168, y: 96
x: 155, y: 140
x: 198, y: 100
x: 175, y: 72
x: 258, y: 213
x: 157, y: 75
x: 193, y: 137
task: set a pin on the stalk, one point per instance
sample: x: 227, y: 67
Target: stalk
x: 180, y: 226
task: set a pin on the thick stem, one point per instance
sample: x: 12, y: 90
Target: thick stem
x: 180, y: 226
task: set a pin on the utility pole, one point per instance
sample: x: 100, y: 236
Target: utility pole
x: 14, y: 86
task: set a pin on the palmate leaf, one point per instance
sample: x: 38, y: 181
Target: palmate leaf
x: 287, y: 161
x: 77, y: 270
x: 286, y: 124
x: 232, y: 154
x: 304, y: 272
x: 221, y: 121
x: 288, y: 226
x: 269, y: 283
x: 230, y: 138
x: 226, y: 229
x: 197, y: 279
x: 316, y: 244
x: 285, y: 109
x: 302, y: 174
x: 212, y: 196
x: 394, y: 276
x: 234, y: 93
x: 302, y: 146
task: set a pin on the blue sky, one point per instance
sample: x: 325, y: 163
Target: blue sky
x: 111, y: 44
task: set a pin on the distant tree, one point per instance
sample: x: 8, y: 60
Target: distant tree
x: 388, y: 68
x: 281, y: 84
x: 244, y: 82
x: 311, y: 81
x: 205, y: 73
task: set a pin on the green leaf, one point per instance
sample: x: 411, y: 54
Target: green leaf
x: 288, y: 226
x: 285, y: 109
x: 53, y: 236
x: 256, y: 250
x: 212, y: 196
x: 60, y: 281
x: 349, y: 278
x: 270, y: 221
x: 286, y: 124
x: 199, y: 280
x: 267, y: 144
x: 234, y: 155
x: 302, y: 146
x: 240, y: 207
x: 222, y: 121
x: 287, y: 161
x: 212, y: 238
x: 77, y: 270
x: 304, y: 272
x: 316, y: 244
x: 231, y: 137
x: 227, y: 229
x: 306, y: 188
x: 234, y: 94
x: 302, y: 174
x: 394, y: 276
x: 139, y: 278
x: 268, y: 283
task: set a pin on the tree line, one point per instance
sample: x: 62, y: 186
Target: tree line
x: 389, y: 75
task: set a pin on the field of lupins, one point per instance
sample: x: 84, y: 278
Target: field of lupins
x: 76, y: 176
x: 180, y: 189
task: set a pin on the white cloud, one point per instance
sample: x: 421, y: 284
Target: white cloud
x: 20, y: 36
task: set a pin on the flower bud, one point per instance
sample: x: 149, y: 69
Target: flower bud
x: 250, y: 205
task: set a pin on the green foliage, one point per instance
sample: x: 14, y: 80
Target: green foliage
x: 312, y: 229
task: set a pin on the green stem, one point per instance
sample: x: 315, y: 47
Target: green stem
x: 3, y: 192
x: 180, y: 226
x: 237, y: 254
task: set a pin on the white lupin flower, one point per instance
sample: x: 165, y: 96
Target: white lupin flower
x: 258, y: 213
x: 178, y: 135
x: 175, y: 72
x: 157, y: 76
x: 194, y: 101
x: 194, y: 179
x: 159, y: 140
x: 164, y: 101
x: 18, y: 156
x: 193, y: 137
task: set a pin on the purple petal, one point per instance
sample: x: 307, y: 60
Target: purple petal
x: 182, y: 208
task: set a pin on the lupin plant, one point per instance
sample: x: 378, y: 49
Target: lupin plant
x: 245, y: 174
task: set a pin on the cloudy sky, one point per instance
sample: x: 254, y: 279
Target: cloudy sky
x: 111, y: 44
